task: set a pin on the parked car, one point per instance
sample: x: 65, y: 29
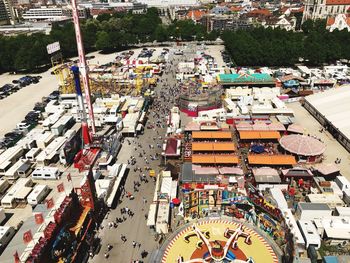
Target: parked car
x: 54, y: 95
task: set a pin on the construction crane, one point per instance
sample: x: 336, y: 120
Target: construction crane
x: 83, y: 65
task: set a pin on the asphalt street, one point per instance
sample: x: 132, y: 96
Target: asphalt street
x: 134, y: 227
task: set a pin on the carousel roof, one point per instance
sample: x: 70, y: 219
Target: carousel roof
x: 302, y: 145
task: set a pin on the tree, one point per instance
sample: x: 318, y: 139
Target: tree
x: 103, y: 17
x: 307, y: 26
x: 161, y: 34
x: 89, y: 32
x: 103, y: 41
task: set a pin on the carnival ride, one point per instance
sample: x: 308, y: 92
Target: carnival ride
x: 271, y: 227
x: 216, y: 252
x: 111, y: 79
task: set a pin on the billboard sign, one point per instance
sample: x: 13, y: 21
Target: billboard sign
x: 53, y: 47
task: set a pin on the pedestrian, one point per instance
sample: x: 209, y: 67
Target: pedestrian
x: 109, y: 247
x: 133, y: 244
x: 139, y: 245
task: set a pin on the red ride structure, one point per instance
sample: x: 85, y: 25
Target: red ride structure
x: 82, y: 64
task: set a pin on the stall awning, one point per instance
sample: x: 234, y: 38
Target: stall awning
x: 208, y: 146
x: 212, y: 135
x: 272, y: 159
x: 211, y: 159
x: 256, y: 135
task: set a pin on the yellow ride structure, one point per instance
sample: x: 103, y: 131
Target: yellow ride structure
x: 106, y: 80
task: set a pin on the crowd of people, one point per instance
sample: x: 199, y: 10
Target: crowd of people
x: 143, y: 158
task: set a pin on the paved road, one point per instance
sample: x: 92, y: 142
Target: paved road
x: 134, y: 228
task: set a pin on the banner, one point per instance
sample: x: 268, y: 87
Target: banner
x: 60, y: 188
x: 27, y: 237
x: 39, y: 218
x: 49, y: 203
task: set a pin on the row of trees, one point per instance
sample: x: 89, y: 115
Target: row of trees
x: 275, y: 47
x: 254, y: 47
x: 107, y: 33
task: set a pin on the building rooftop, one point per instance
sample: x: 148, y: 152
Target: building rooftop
x: 314, y: 206
x: 334, y: 105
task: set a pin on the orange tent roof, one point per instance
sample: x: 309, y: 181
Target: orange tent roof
x: 201, y: 135
x: 209, y: 146
x: 249, y: 135
x: 224, y: 146
x: 272, y: 159
x: 211, y: 135
x: 226, y: 159
x: 203, y: 158
x: 211, y: 159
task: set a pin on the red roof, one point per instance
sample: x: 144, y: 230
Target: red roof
x: 236, y: 8
x: 197, y: 14
x: 330, y: 21
x: 171, y: 146
x: 96, y: 12
x: 337, y: 2
x: 259, y: 12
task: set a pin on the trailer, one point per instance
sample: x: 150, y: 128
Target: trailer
x: 2, y: 215
x: 52, y: 119
x: 4, y: 185
x: 32, y: 154
x: 15, y: 194
x: 46, y: 173
x: 117, y: 173
x: 62, y: 125
x: 38, y: 194
x: 10, y: 157
x: 51, y: 153
x: 43, y: 140
x: 22, y: 168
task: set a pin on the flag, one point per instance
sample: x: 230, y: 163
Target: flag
x: 39, y: 219
x: 16, y: 256
x: 69, y: 178
x: 27, y: 237
x: 60, y: 188
x: 49, y: 203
